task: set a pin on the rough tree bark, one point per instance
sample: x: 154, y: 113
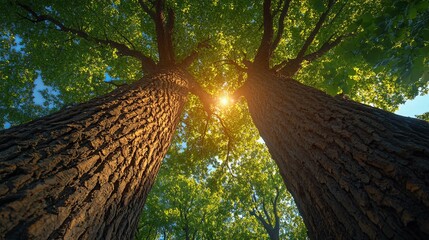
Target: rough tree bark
x: 356, y: 172
x: 85, y: 172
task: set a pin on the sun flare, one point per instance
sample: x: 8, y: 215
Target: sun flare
x: 224, y: 101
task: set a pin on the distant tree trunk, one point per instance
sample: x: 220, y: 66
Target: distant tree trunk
x: 274, y: 234
x: 271, y: 223
x: 85, y: 172
x: 356, y: 172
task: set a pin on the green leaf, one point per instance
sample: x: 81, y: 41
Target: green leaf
x: 317, y: 5
x: 412, y: 11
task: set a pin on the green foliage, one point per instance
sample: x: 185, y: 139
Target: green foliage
x: 396, y: 48
x: 209, y: 191
x: 424, y: 116
x: 381, y: 62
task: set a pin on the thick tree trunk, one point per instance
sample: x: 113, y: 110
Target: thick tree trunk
x: 355, y: 172
x: 85, y: 172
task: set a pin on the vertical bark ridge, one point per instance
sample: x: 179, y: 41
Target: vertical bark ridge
x: 85, y: 172
x: 356, y: 172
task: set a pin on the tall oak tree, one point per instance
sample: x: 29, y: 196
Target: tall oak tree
x: 356, y: 172
x: 85, y: 171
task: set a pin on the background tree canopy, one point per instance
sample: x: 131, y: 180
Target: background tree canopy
x: 375, y: 52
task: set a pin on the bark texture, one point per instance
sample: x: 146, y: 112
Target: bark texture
x: 85, y: 172
x: 356, y: 172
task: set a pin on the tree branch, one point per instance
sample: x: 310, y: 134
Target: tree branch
x: 228, y: 148
x: 266, y: 213
x: 278, y: 8
x: 281, y: 65
x: 262, y: 58
x: 163, y: 28
x: 229, y: 135
x: 281, y: 25
x: 148, y: 64
x: 203, y: 136
x: 147, y: 9
x: 164, y: 50
x: 276, y: 199
x: 259, y: 217
x: 235, y: 64
x: 315, y: 30
x: 232, y: 172
x: 276, y: 215
x: 338, y: 12
x: 169, y: 26
x: 225, y: 130
x: 124, y: 37
x: 289, y: 67
x: 254, y: 196
x: 206, y: 99
x: 326, y: 47
x: 188, y: 60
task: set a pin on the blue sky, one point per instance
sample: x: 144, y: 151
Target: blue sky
x: 418, y: 105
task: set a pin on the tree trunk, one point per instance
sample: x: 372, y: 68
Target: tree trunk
x: 85, y: 172
x: 273, y: 233
x: 356, y: 172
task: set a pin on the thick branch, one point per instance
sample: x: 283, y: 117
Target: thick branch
x: 188, y: 60
x: 126, y: 39
x: 260, y: 219
x: 123, y: 36
x: 169, y: 26
x: 164, y: 29
x: 206, y: 99
x: 276, y: 199
x: 164, y: 50
x: 291, y: 66
x: 266, y: 213
x: 315, y: 30
x: 276, y: 215
x: 281, y: 25
x: 281, y: 65
x: 326, y: 47
x: 234, y: 63
x: 147, y: 9
x: 147, y: 63
x: 338, y: 13
x: 262, y: 58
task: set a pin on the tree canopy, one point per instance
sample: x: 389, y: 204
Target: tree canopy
x: 376, y: 48
x: 375, y: 52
